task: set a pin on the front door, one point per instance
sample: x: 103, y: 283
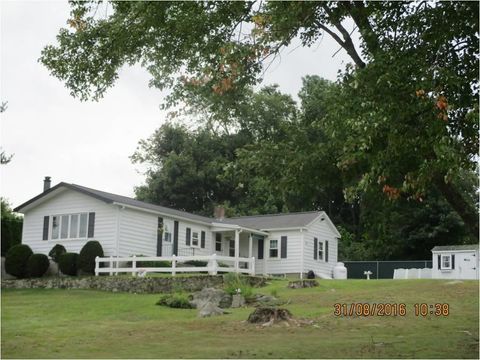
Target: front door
x: 469, y: 267
x: 167, y: 248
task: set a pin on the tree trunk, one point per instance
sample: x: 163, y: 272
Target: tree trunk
x: 467, y: 213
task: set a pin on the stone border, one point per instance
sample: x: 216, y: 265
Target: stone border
x: 145, y: 285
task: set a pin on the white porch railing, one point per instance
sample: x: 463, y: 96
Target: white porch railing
x: 213, y: 266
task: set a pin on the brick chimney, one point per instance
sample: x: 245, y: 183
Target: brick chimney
x: 46, y: 183
x: 219, y: 212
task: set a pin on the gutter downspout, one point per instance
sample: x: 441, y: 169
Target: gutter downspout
x: 302, y: 247
x: 117, y: 232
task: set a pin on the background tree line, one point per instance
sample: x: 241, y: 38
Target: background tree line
x: 388, y: 150
x: 280, y: 157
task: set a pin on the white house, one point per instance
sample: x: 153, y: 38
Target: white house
x: 455, y: 262
x: 70, y: 215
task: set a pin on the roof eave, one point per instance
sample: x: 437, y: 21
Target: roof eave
x: 54, y: 188
x: 152, y: 211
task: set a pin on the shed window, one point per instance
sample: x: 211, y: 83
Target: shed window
x: 446, y: 262
x: 273, y: 249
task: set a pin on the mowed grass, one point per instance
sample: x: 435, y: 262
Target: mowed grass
x: 41, y: 323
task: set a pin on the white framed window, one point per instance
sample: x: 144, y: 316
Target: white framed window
x: 167, y: 234
x: 195, y: 238
x: 321, y: 251
x: 273, y: 250
x: 68, y: 226
x: 446, y: 262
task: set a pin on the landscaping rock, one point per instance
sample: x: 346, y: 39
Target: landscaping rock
x: 52, y: 269
x: 210, y: 309
x: 213, y: 296
x: 298, y: 284
x: 264, y: 300
x: 238, y: 301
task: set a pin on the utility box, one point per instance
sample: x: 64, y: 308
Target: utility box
x: 340, y: 271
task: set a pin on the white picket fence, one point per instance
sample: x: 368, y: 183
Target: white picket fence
x: 119, y: 264
x: 413, y: 273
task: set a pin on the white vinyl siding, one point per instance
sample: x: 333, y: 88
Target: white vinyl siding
x: 69, y: 202
x: 289, y: 265
x: 322, y: 231
x: 137, y: 232
x: 195, y: 227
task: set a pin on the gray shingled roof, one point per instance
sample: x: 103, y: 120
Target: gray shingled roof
x: 455, y: 247
x: 144, y: 205
x: 259, y: 222
x: 274, y: 221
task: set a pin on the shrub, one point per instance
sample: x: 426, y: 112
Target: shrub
x: 86, y: 258
x: 175, y: 300
x: 196, y: 263
x: 56, y: 251
x: 235, y: 283
x: 16, y: 260
x: 37, y: 265
x: 68, y: 263
x: 140, y: 264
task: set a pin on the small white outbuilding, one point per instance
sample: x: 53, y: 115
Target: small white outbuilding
x: 455, y: 262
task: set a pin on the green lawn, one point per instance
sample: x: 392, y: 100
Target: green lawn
x: 42, y: 323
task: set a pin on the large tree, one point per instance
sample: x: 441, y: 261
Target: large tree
x: 410, y: 98
x: 11, y: 229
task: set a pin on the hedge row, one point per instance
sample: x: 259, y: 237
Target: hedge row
x: 21, y: 262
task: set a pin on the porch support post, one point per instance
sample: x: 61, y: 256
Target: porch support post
x: 265, y: 254
x: 237, y: 249
x: 250, y: 245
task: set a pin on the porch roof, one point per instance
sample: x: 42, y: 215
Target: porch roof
x: 274, y: 221
x: 222, y: 227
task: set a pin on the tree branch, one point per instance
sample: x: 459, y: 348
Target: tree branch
x: 347, y: 42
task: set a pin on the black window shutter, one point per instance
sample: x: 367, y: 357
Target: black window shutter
x: 159, y: 236
x: 175, y: 238
x: 315, y: 249
x: 453, y: 261
x: 326, y: 251
x: 439, y: 261
x: 91, y: 224
x: 187, y: 236
x: 202, y: 241
x: 283, y: 247
x: 260, y: 249
x: 46, y: 220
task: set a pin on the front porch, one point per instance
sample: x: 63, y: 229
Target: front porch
x: 236, y: 242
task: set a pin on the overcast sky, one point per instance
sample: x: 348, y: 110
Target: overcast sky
x: 52, y: 134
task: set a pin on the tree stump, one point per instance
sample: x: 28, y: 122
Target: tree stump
x: 298, y: 284
x: 269, y: 315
